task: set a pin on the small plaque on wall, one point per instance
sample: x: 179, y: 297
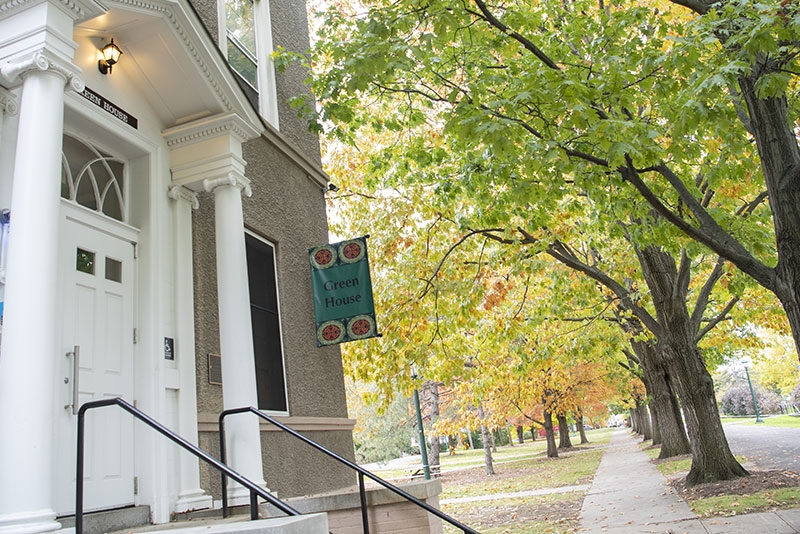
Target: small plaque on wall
x: 169, y: 348
x: 215, y: 369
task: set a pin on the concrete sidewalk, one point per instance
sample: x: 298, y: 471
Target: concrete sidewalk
x: 630, y: 496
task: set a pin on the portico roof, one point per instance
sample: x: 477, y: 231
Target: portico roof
x: 169, y: 57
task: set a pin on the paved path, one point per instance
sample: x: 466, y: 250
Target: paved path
x: 527, y: 493
x: 630, y: 496
x: 766, y: 446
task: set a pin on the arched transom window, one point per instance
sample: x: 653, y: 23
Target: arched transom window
x: 93, y: 178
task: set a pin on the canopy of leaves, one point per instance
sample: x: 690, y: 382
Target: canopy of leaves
x: 476, y: 122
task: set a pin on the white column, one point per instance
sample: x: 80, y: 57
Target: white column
x: 29, y: 344
x: 190, y: 495
x: 235, y: 330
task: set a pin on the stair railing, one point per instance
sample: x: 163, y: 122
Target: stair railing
x: 255, y: 490
x: 361, y: 472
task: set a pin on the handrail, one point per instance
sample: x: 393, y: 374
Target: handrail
x: 254, y: 489
x: 361, y: 471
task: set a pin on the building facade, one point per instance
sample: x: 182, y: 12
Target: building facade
x: 161, y: 209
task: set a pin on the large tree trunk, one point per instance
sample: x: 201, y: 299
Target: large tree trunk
x: 640, y: 419
x: 712, y: 459
x: 564, y: 441
x: 552, y: 450
x: 654, y: 428
x: 520, y: 434
x: 664, y: 402
x: 487, y: 446
x: 581, y: 430
x: 433, y: 439
x: 779, y: 153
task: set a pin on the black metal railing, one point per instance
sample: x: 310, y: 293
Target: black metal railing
x: 255, y: 491
x: 361, y: 472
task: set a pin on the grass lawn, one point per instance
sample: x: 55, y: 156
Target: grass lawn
x: 729, y: 504
x: 784, y: 421
x: 519, y: 469
x: 504, y: 503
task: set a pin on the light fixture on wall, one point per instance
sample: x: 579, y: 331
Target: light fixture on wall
x: 111, y: 53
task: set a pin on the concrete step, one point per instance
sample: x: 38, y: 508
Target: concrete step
x: 301, y: 524
x: 110, y: 520
x: 240, y: 524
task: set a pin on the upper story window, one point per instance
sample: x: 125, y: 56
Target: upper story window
x: 248, y: 45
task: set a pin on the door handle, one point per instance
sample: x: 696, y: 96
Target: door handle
x: 75, y: 354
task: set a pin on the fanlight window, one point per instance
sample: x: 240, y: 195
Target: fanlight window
x: 92, y: 178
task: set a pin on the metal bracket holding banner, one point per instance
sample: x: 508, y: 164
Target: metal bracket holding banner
x: 344, y: 309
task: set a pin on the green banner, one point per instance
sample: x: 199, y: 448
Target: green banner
x: 340, y: 279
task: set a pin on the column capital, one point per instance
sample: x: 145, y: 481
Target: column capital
x: 13, y: 72
x: 231, y: 179
x: 8, y: 103
x: 179, y: 192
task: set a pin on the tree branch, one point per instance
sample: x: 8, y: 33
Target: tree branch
x: 716, y: 320
x: 489, y: 17
x: 561, y: 253
x: 705, y: 293
x: 710, y: 233
x: 700, y: 7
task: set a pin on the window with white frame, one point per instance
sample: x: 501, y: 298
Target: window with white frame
x: 247, y: 42
x: 93, y: 178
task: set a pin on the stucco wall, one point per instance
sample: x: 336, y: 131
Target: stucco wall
x: 287, y: 208
x: 207, y: 10
x: 290, y: 30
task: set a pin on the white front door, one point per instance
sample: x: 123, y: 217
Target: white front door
x: 97, y: 302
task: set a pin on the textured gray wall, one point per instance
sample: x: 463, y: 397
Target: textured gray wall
x: 207, y: 10
x: 287, y: 209
x: 290, y: 30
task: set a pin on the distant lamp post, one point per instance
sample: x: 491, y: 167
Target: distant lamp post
x: 753, y: 395
x: 423, y: 449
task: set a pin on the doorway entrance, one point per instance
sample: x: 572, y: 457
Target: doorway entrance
x: 97, y: 288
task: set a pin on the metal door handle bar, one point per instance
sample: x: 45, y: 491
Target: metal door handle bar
x: 75, y: 354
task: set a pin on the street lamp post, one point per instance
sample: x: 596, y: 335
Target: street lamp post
x: 423, y: 449
x: 753, y: 395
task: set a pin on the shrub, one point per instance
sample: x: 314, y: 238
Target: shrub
x: 738, y: 400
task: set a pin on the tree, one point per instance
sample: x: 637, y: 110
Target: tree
x: 776, y: 364
x: 539, y: 100
x: 379, y: 435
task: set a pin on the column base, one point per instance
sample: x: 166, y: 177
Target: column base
x: 193, y: 500
x: 240, y: 496
x: 29, y: 522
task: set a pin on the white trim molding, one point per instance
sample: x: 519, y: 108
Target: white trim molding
x: 220, y: 125
x: 207, y: 153
x: 207, y: 422
x: 79, y: 10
